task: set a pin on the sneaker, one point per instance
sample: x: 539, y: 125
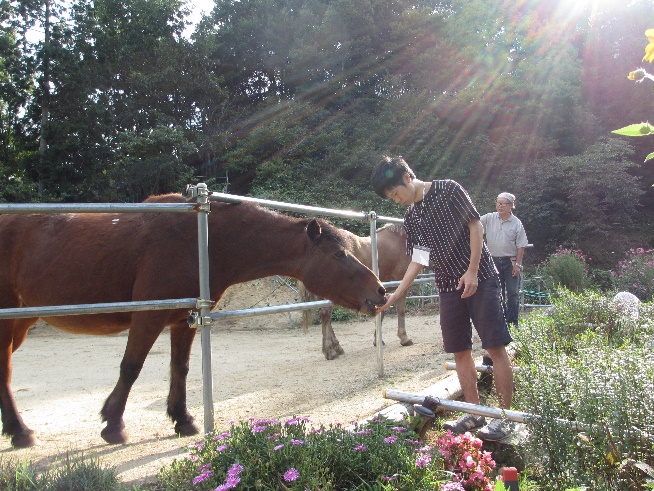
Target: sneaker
x: 497, y: 429
x: 467, y: 422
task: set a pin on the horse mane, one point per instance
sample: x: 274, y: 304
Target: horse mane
x: 396, y: 228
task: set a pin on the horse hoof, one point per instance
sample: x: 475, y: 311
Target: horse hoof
x: 331, y: 354
x: 24, y: 440
x: 186, y: 429
x: 114, y: 437
x: 408, y: 342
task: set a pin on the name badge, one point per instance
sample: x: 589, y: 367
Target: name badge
x: 420, y: 255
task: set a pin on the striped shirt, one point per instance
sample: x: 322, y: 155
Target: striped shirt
x: 440, y: 222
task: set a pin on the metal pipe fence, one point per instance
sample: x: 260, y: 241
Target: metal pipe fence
x: 201, y: 317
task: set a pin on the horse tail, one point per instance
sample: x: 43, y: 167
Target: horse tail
x: 307, y: 315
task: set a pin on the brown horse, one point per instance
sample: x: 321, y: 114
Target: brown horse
x: 392, y: 260
x: 67, y: 259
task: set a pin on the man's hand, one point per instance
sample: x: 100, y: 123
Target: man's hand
x: 389, y: 303
x: 469, y: 281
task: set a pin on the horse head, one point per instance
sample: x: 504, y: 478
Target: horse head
x: 331, y: 270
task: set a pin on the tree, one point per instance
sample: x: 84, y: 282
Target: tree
x: 588, y: 199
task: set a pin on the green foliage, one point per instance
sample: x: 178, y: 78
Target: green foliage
x: 601, y: 280
x: 635, y: 273
x: 340, y: 314
x: 269, y: 455
x: 566, y: 268
x: 589, y: 199
x: 642, y: 129
x: 588, y: 363
x: 73, y: 474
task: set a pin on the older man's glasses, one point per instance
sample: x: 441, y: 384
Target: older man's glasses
x: 502, y: 203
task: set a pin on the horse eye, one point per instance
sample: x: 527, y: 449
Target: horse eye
x: 340, y: 253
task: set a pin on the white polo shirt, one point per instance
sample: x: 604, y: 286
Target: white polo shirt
x: 503, y: 237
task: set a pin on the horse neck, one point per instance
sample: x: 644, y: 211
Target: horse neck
x: 266, y: 244
x: 362, y: 250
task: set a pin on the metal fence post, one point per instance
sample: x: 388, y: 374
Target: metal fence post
x: 372, y: 216
x: 204, y: 305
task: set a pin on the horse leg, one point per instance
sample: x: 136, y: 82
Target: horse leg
x: 401, y: 324
x: 181, y: 342
x: 139, y: 343
x: 12, y: 335
x: 331, y: 348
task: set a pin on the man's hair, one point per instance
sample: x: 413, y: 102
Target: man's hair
x: 389, y: 173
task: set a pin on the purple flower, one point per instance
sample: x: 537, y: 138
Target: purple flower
x: 452, y: 486
x: 221, y: 448
x: 361, y: 448
x: 232, y: 478
x: 202, y: 477
x: 297, y: 442
x: 423, y: 460
x: 222, y: 436
x: 235, y: 470
x: 278, y: 447
x: 291, y: 475
x: 390, y: 439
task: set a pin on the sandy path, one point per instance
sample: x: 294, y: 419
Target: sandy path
x: 262, y: 366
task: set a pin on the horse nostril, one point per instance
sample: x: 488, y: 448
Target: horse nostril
x: 382, y: 291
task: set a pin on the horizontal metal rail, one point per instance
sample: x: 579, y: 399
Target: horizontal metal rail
x: 280, y: 309
x: 97, y: 308
x: 273, y: 309
x: 330, y: 212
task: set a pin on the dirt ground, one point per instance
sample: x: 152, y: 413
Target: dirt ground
x: 263, y: 367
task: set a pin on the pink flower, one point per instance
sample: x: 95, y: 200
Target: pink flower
x: 291, y: 475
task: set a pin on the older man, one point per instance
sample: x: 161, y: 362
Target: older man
x: 506, y: 240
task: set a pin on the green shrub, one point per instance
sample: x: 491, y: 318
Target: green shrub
x: 601, y: 280
x: 635, y: 273
x: 586, y: 363
x: 269, y: 455
x: 566, y: 268
x: 72, y: 474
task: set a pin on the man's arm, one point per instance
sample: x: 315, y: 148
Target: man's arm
x: 517, y: 267
x: 469, y: 280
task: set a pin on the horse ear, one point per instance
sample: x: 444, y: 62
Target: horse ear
x: 314, y: 230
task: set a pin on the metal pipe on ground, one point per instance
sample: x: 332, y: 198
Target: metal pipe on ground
x: 479, y: 410
x: 482, y: 368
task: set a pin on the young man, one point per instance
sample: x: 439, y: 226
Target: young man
x: 506, y: 240
x: 443, y: 225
